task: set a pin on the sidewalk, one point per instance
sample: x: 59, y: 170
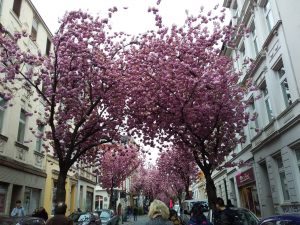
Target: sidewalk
x: 141, y: 220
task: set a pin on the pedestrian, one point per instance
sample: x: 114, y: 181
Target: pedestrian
x: 174, y: 218
x: 224, y: 215
x: 135, y: 213
x: 197, y: 216
x: 43, y: 213
x: 59, y: 216
x: 159, y: 214
x: 18, y: 211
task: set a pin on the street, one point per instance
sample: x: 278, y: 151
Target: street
x: 141, y: 220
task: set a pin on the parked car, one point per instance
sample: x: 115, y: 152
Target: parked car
x: 188, y: 205
x: 243, y: 216
x: 27, y: 220
x: 85, y: 218
x: 288, y: 219
x: 108, y: 217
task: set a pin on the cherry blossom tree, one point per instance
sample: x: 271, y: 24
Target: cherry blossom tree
x: 79, y: 84
x: 178, y: 165
x: 184, y: 90
x: 116, y: 164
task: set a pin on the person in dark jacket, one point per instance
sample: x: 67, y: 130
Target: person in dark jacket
x: 158, y: 214
x: 221, y: 216
x: 59, y: 217
x: 197, y: 216
x: 41, y: 213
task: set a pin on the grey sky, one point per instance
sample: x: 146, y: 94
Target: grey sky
x: 133, y: 20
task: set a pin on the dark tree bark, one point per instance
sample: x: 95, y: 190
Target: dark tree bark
x: 61, y: 186
x: 211, y: 190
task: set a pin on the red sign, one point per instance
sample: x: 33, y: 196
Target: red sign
x: 2, y: 203
x: 245, y: 178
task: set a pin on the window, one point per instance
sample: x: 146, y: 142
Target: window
x: 269, y: 15
x: 34, y: 29
x: 254, y: 39
x: 266, y: 98
x: 17, y: 7
x: 3, y: 196
x: 284, y: 84
x: 22, y: 125
x: 39, y: 140
x: 48, y: 46
x: 283, y: 181
x: 298, y: 158
x: 2, y: 111
x: 54, y: 202
x: 253, y: 111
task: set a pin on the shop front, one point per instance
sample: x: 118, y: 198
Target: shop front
x: 248, y: 191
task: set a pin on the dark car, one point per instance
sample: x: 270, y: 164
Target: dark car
x: 288, y: 219
x: 85, y: 218
x: 108, y: 217
x: 243, y: 216
x: 21, y: 221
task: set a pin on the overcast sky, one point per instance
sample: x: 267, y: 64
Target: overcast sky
x: 133, y: 20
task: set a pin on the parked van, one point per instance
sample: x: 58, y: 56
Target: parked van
x: 188, y: 204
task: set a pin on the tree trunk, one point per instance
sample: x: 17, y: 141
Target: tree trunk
x: 61, y: 186
x: 211, y: 190
x: 187, y: 191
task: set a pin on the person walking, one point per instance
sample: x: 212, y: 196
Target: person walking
x: 224, y: 215
x: 158, y: 214
x: 59, y: 216
x: 197, y: 216
x: 18, y: 211
x: 135, y: 213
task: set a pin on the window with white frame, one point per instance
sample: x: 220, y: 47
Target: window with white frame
x: 285, y: 90
x: 39, y: 138
x: 22, y: 126
x: 298, y: 158
x: 254, y: 124
x: 2, y: 111
x: 267, y: 102
x: 283, y: 181
x: 254, y: 39
x: 269, y: 15
x: 17, y: 7
x: 34, y: 29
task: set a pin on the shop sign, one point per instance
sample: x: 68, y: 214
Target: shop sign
x: 245, y: 178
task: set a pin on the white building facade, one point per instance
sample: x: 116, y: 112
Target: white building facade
x: 270, y: 181
x: 22, y: 157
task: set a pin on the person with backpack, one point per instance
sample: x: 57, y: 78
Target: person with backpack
x: 223, y: 214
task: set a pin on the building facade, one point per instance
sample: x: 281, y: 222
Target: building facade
x: 269, y: 180
x: 86, y: 190
x: 22, y: 157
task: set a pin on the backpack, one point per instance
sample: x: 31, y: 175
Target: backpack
x: 233, y: 217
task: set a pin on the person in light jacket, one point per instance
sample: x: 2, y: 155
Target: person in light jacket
x: 18, y: 211
x: 158, y: 214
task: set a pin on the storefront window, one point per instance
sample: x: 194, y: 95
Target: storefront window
x: 89, y: 201
x: 3, y: 196
x: 31, y: 199
x: 283, y: 181
x: 54, y: 196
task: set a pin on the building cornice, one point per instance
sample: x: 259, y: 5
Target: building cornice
x: 8, y: 162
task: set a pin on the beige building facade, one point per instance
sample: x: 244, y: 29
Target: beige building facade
x: 22, y: 157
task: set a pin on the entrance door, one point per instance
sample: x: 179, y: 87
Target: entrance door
x: 250, y: 199
x: 16, y: 195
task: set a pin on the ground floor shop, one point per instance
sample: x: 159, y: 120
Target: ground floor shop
x: 27, y: 186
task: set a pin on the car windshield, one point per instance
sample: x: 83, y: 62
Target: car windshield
x: 247, y: 217
x: 104, y: 215
x: 84, y: 218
